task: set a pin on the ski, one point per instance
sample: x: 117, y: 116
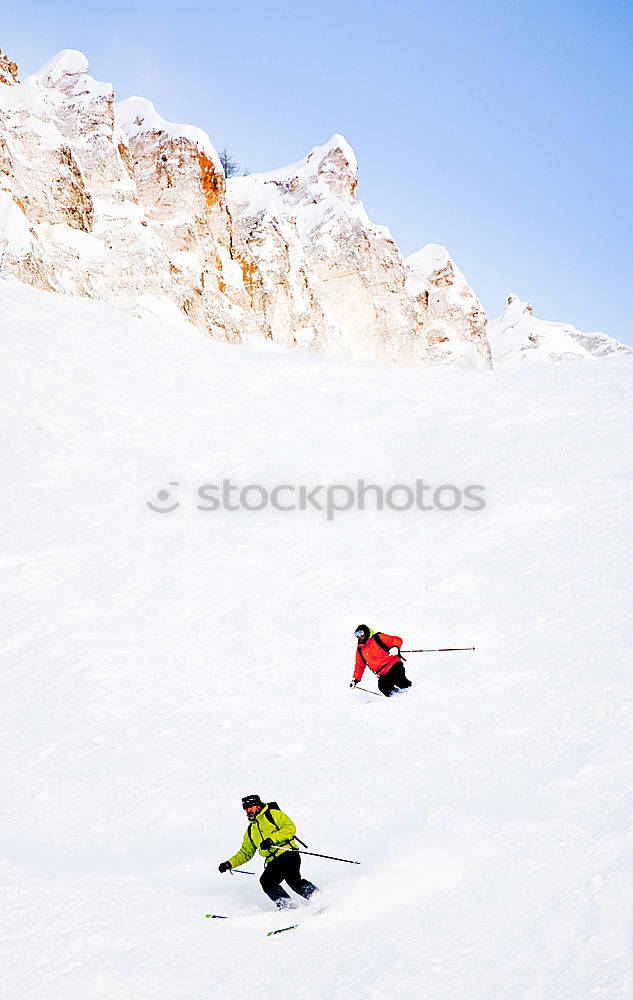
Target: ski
x: 221, y: 916
x: 292, y: 927
x: 278, y: 930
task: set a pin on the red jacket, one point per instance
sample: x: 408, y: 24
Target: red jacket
x: 371, y: 655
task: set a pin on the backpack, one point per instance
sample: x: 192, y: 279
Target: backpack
x: 379, y: 642
x: 269, y: 816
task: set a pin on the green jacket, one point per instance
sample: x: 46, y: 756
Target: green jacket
x: 269, y: 822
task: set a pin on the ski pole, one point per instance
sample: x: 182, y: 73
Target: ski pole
x: 329, y: 857
x: 238, y: 871
x: 450, y: 649
x: 367, y: 691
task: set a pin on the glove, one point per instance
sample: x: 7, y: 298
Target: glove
x: 353, y: 683
x: 225, y: 867
x: 266, y: 844
x: 394, y: 651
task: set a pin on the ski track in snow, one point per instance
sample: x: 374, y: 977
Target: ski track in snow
x: 159, y: 667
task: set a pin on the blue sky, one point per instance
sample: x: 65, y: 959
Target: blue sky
x: 501, y: 130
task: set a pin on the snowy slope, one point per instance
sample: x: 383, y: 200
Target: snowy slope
x: 158, y: 666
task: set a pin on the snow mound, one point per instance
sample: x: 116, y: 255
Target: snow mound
x: 430, y: 259
x: 68, y: 62
x: 138, y: 116
x: 15, y: 233
x: 517, y: 337
x: 68, y: 73
x: 327, y: 175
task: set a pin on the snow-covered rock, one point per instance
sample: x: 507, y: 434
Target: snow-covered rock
x: 456, y: 322
x: 8, y: 69
x: 180, y: 185
x: 111, y: 201
x: 136, y: 219
x: 517, y: 337
x: 318, y: 271
x: 320, y: 264
x: 114, y: 202
x: 598, y: 344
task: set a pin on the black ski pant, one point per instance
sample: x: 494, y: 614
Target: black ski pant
x: 286, y: 867
x: 393, y: 680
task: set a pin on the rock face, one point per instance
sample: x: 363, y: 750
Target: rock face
x: 180, y: 186
x: 128, y: 209
x: 517, y: 337
x: 111, y: 201
x: 324, y: 276
x: 319, y: 273
x: 456, y: 323
x: 8, y: 70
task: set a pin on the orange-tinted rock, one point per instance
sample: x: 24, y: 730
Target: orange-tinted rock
x: 8, y: 70
x: 124, y: 153
x: 213, y: 183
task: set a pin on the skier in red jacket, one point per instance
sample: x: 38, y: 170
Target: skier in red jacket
x: 381, y: 653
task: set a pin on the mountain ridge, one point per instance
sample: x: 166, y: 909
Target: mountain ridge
x: 106, y: 199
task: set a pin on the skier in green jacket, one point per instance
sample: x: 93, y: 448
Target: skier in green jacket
x: 272, y: 833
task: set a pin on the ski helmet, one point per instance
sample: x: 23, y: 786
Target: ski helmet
x: 362, y: 632
x: 251, y: 800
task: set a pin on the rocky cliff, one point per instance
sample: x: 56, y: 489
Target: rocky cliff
x: 111, y: 201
